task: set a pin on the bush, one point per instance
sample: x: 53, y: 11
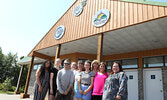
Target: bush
x: 13, y: 88
x: 21, y: 89
x: 6, y: 85
x: 1, y: 86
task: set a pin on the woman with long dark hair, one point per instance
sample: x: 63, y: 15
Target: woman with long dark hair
x: 42, y: 81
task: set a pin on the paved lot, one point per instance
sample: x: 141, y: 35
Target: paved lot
x: 12, y: 97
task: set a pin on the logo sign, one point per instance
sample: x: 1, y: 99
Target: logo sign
x: 78, y: 9
x: 59, y: 32
x: 101, y: 18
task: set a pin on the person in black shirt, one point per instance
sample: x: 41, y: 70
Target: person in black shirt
x: 53, y: 76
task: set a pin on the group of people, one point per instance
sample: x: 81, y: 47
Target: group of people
x: 80, y: 81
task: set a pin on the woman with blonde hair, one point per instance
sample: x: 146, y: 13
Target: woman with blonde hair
x: 53, y: 77
x: 95, y: 66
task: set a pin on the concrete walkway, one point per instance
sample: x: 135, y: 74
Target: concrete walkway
x: 13, y: 97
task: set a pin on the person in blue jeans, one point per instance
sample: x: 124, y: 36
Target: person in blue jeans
x: 85, y: 82
x: 76, y: 76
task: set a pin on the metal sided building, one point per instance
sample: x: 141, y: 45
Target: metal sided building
x: 133, y: 32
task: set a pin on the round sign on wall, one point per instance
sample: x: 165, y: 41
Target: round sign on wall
x: 59, y: 32
x: 78, y: 9
x: 101, y: 17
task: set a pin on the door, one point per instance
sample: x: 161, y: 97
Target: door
x: 153, y: 88
x: 132, y: 84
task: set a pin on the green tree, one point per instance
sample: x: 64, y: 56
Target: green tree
x: 11, y: 68
x: 1, y: 66
x: 7, y: 84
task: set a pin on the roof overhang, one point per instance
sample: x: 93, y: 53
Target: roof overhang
x: 146, y: 36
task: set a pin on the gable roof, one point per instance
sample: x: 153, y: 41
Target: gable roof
x: 123, y: 14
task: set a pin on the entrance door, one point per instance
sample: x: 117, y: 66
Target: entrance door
x: 132, y: 84
x: 153, y: 88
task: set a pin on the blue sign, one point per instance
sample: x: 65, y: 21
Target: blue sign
x: 59, y: 32
x: 130, y: 76
x: 152, y: 76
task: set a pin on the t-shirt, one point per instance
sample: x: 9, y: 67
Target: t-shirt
x: 86, y: 77
x: 65, y: 79
x: 98, y: 84
x: 54, y: 71
x: 76, y: 74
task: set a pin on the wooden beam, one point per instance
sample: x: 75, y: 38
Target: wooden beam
x: 57, y: 53
x: 19, y: 80
x: 25, y: 95
x: 36, y: 54
x: 145, y: 53
x: 140, y: 62
x: 100, y: 47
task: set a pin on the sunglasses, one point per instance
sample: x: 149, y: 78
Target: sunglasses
x: 67, y: 63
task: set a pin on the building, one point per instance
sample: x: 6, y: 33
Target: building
x: 131, y: 31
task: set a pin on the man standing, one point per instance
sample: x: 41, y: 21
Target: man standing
x: 64, y: 82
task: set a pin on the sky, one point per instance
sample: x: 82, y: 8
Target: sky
x: 23, y: 23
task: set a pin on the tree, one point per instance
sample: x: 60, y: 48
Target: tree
x: 9, y: 68
x: 1, y: 65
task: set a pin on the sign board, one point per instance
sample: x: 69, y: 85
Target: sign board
x: 59, y: 32
x: 101, y: 17
x: 78, y: 9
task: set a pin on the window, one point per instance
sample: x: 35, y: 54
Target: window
x: 166, y: 61
x: 153, y: 61
x: 37, y: 66
x: 130, y: 63
x: 109, y: 64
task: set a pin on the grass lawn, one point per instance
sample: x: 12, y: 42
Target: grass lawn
x: 6, y: 92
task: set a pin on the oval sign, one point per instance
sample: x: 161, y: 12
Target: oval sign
x: 59, y: 32
x: 101, y: 17
x: 78, y: 10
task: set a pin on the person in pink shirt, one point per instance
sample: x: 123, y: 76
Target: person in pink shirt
x: 99, y: 82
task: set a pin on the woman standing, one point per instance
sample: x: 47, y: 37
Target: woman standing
x: 53, y: 77
x: 116, y: 84
x: 95, y: 66
x: 76, y: 76
x: 99, y: 82
x: 42, y: 81
x: 85, y: 82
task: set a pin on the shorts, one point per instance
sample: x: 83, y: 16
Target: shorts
x: 85, y: 97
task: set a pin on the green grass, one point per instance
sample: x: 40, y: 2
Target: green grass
x: 6, y: 92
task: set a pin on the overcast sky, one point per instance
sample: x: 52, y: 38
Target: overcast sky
x: 23, y: 23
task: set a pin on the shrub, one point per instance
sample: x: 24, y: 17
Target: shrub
x: 1, y: 86
x: 6, y: 85
x: 21, y: 89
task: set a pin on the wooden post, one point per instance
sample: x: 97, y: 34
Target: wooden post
x: 25, y: 95
x: 57, y: 53
x: 140, y: 62
x: 100, y: 47
x: 19, y: 80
